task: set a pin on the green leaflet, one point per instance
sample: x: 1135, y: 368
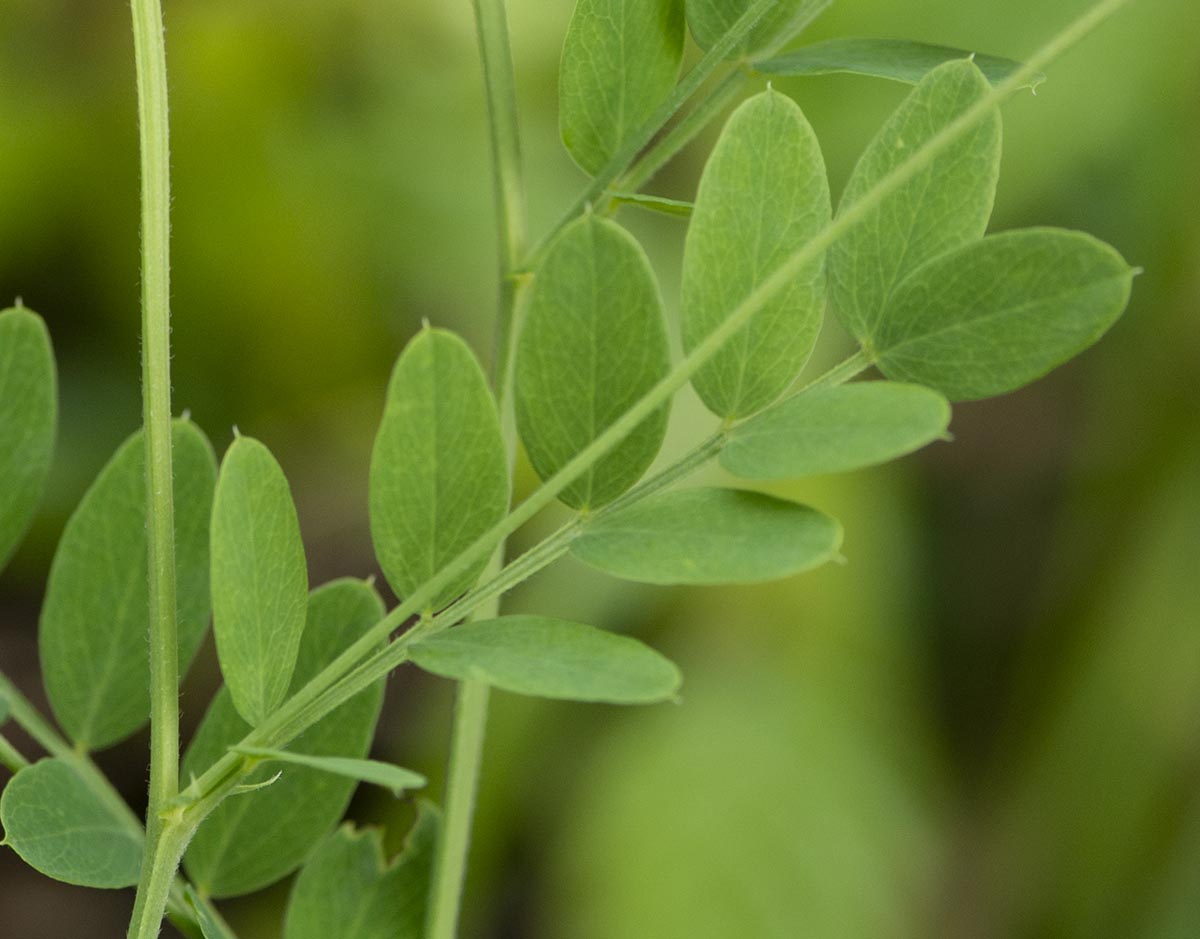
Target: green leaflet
x: 96, y: 615
x: 944, y: 206
x: 28, y: 419
x: 62, y: 828
x: 550, y: 658
x: 897, y: 59
x: 210, y: 925
x: 386, y: 775
x: 594, y: 342
x: 439, y: 475
x: 709, y: 20
x: 348, y: 889
x: 994, y: 315
x: 259, y: 578
x: 253, y: 840
x: 620, y: 60
x: 763, y: 196
x: 834, y: 430
x: 709, y: 536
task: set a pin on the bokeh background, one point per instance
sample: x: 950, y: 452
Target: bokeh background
x: 986, y: 724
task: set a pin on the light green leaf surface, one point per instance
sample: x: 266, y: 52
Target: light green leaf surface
x: 28, y: 419
x: 96, y: 615
x: 594, y: 342
x: 763, y: 196
x: 259, y: 578
x: 944, y: 206
x: 620, y: 61
x: 709, y: 536
x: 255, y: 839
x: 997, y: 314
x: 834, y: 430
x: 550, y: 658
x: 348, y: 889
x: 386, y: 775
x: 896, y: 59
x: 709, y: 20
x: 439, y: 475
x: 60, y: 827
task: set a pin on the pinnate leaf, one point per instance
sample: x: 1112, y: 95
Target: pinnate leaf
x: 834, y: 430
x: 439, y: 475
x: 763, y: 196
x: 61, y: 827
x: 259, y: 578
x: 997, y: 314
x: 255, y: 839
x: 96, y: 615
x: 550, y: 658
x: 619, y: 62
x: 28, y: 418
x: 709, y: 536
x: 944, y: 206
x: 594, y: 342
x: 348, y: 889
x: 896, y: 59
x: 396, y: 778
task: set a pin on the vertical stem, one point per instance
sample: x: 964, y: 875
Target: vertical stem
x: 150, y: 56
x: 471, y: 702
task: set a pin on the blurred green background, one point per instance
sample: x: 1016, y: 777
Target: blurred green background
x: 986, y: 724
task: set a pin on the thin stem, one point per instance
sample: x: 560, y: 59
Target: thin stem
x: 638, y: 141
x: 267, y: 734
x: 10, y: 757
x: 160, y: 860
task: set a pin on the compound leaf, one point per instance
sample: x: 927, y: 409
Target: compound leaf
x: 709, y: 20
x: 348, y: 889
x: 61, y: 827
x: 594, y: 342
x: 896, y: 59
x: 834, y: 430
x: 259, y: 578
x: 550, y: 658
x: 943, y: 206
x: 439, y: 474
x: 96, y: 615
x: 253, y: 840
x: 620, y: 60
x: 28, y: 418
x: 395, y: 778
x: 997, y: 314
x: 709, y: 536
x: 763, y: 196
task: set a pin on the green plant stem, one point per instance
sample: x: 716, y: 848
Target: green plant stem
x: 160, y: 859
x: 691, y: 83
x: 10, y: 757
x: 269, y: 733
x: 29, y: 719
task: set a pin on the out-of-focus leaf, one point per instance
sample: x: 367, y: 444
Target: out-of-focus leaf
x: 96, y: 615
x: 619, y: 62
x: 550, y: 658
x: 61, y: 827
x: 348, y: 889
x: 944, y: 206
x: 594, y: 342
x: 834, y: 430
x: 709, y: 20
x: 439, y: 475
x: 395, y: 778
x: 763, y: 196
x: 709, y: 536
x: 994, y: 315
x: 28, y: 420
x: 897, y: 59
x: 255, y: 839
x: 259, y: 578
